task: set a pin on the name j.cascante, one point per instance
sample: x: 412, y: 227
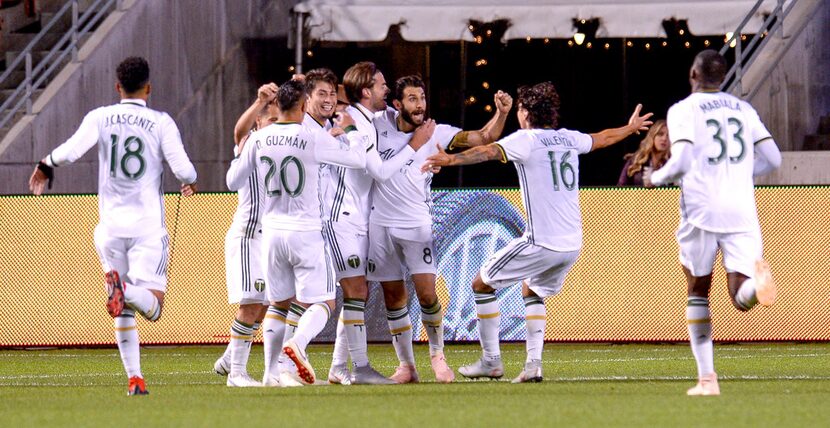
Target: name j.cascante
x: 130, y: 119
x: 283, y: 140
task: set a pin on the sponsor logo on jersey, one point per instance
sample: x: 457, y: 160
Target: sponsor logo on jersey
x: 354, y: 261
x: 259, y: 285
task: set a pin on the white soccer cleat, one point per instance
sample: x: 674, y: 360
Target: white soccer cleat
x: 366, y: 375
x: 481, y: 368
x: 289, y: 380
x: 221, y: 366
x: 242, y: 380
x: 271, y: 381
x: 304, y: 370
x: 339, y: 375
x: 765, y: 289
x: 707, y: 385
x: 531, y: 373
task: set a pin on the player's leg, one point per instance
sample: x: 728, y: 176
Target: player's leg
x: 273, y: 334
x: 697, y: 256
x: 535, y: 318
x: 415, y: 246
x: 748, y: 276
x: 339, y: 371
x: 315, y: 282
x: 279, y: 289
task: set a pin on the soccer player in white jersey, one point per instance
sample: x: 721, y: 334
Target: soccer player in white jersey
x: 245, y: 281
x: 295, y: 256
x: 400, y: 226
x: 547, y: 161
x: 718, y: 143
x: 131, y: 237
x: 349, y: 204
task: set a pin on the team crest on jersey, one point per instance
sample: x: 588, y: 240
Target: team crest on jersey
x: 370, y: 264
x: 354, y: 261
x: 385, y: 133
x: 259, y: 285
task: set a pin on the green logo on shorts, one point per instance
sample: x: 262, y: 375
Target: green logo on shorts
x: 371, y: 265
x: 259, y: 285
x: 354, y: 261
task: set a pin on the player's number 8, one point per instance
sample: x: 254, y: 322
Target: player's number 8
x: 737, y: 136
x: 133, y: 148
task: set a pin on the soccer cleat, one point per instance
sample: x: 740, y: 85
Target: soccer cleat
x: 405, y: 373
x: 366, y: 375
x: 115, y: 290
x: 531, y: 373
x: 481, y: 368
x: 765, y: 290
x: 289, y: 380
x: 304, y: 369
x: 271, y: 381
x: 707, y: 385
x: 443, y: 373
x: 339, y: 375
x: 242, y: 380
x: 137, y: 386
x: 221, y: 367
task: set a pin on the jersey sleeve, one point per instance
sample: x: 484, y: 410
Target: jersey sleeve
x: 382, y: 170
x: 84, y: 138
x: 242, y: 166
x: 756, y: 129
x: 328, y: 150
x: 516, y: 146
x: 443, y: 135
x: 582, y: 142
x: 680, y: 123
x: 173, y: 149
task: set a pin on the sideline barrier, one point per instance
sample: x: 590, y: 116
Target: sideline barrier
x: 626, y: 286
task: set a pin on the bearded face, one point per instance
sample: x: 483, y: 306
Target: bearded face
x: 413, y: 106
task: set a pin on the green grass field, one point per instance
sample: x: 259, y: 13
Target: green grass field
x: 780, y: 385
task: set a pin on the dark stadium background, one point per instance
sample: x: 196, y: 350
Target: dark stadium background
x: 598, y: 86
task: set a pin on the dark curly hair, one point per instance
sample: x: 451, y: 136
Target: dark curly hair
x: 542, y: 104
x: 290, y: 94
x: 319, y: 75
x: 411, y: 81
x: 133, y: 73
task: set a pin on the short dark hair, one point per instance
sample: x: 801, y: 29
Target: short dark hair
x: 711, y: 66
x: 289, y: 94
x: 133, y: 74
x: 411, y: 81
x: 357, y: 78
x: 542, y: 104
x: 319, y: 75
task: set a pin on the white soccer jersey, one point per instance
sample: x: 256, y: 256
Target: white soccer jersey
x: 717, y: 193
x: 288, y: 158
x: 247, y: 219
x: 326, y: 170
x: 405, y: 199
x: 547, y: 161
x: 133, y: 140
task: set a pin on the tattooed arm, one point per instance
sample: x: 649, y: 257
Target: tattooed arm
x: 475, y: 155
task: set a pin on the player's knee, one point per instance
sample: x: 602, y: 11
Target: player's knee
x: 427, y: 300
x: 480, y: 287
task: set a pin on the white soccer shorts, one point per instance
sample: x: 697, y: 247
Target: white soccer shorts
x: 348, y: 249
x: 391, y: 246
x: 297, y: 264
x: 140, y: 261
x: 544, y: 269
x: 699, y: 247
x: 243, y: 270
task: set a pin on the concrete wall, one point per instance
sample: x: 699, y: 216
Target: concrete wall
x: 198, y: 73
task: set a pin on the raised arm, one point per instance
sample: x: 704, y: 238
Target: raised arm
x: 475, y: 155
x: 241, y: 166
x: 611, y: 136
x: 491, y: 131
x: 265, y: 94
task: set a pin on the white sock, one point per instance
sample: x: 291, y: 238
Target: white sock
x: 400, y: 326
x: 535, y: 322
x: 340, y: 356
x: 311, y: 324
x: 355, y: 327
x: 432, y: 317
x: 746, y: 294
x: 699, y: 323
x: 489, y: 318
x: 143, y: 301
x: 226, y: 356
x: 273, y: 331
x: 241, y: 337
x: 295, y: 311
x: 126, y: 335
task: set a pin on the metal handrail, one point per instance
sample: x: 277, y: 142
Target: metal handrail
x: 68, y: 43
x: 746, y: 55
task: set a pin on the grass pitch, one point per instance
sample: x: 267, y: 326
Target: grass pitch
x: 778, y: 385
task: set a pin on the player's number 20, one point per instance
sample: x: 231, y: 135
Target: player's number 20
x: 292, y: 191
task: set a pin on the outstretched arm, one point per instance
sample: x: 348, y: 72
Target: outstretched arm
x: 611, y: 136
x: 491, y: 131
x: 475, y: 155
